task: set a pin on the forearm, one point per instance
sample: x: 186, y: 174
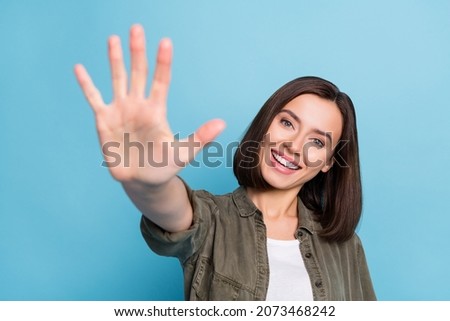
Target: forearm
x: 132, y: 116
x: 166, y: 205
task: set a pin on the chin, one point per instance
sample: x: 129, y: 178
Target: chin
x: 282, y: 184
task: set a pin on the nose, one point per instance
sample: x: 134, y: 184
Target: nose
x: 293, y: 149
x: 295, y: 144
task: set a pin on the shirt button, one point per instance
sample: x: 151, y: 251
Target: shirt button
x: 318, y: 284
x: 308, y: 255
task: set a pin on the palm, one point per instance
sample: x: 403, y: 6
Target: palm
x: 133, y: 119
x: 141, y: 125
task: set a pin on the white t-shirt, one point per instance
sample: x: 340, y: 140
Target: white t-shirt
x: 289, y: 280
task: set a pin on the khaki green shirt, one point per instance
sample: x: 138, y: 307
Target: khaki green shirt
x: 224, y: 253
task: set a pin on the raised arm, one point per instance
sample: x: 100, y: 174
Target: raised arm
x: 137, y: 142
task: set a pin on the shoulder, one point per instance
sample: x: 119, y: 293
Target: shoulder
x: 205, y: 200
x: 235, y: 202
x: 353, y: 243
x: 350, y: 249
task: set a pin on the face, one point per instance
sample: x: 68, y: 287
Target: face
x: 300, y: 141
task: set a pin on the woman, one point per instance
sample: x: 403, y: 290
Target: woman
x: 288, y: 231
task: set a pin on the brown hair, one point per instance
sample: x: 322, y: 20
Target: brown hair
x: 335, y: 197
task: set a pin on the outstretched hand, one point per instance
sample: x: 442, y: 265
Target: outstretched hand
x: 132, y: 117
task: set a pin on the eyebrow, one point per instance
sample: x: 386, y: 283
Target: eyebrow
x: 315, y: 130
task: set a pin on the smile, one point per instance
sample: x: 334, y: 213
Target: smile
x: 284, y: 162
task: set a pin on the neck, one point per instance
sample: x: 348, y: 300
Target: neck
x: 275, y: 203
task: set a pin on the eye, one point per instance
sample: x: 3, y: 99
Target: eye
x: 318, y: 142
x: 286, y: 123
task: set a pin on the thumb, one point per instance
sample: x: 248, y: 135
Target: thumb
x: 202, y: 136
x: 209, y: 131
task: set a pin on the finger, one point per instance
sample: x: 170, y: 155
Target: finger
x: 118, y: 72
x: 139, y: 65
x: 209, y: 131
x: 91, y: 93
x: 202, y: 136
x: 161, y: 77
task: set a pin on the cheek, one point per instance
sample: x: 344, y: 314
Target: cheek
x: 275, y: 134
x: 315, y: 158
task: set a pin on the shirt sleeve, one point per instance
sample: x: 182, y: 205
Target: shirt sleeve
x: 186, y: 243
x: 368, y: 291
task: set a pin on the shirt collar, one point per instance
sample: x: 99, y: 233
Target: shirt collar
x: 246, y: 208
x: 243, y: 203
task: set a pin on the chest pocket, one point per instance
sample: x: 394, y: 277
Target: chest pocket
x: 210, y: 285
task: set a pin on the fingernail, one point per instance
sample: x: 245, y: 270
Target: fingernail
x: 137, y: 29
x: 114, y: 39
x: 166, y: 42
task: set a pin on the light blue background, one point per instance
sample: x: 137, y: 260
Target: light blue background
x: 67, y: 230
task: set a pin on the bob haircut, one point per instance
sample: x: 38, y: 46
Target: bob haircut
x: 335, y: 197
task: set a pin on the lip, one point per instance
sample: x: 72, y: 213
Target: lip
x: 278, y: 165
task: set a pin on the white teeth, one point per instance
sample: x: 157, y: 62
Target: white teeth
x: 285, y: 162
